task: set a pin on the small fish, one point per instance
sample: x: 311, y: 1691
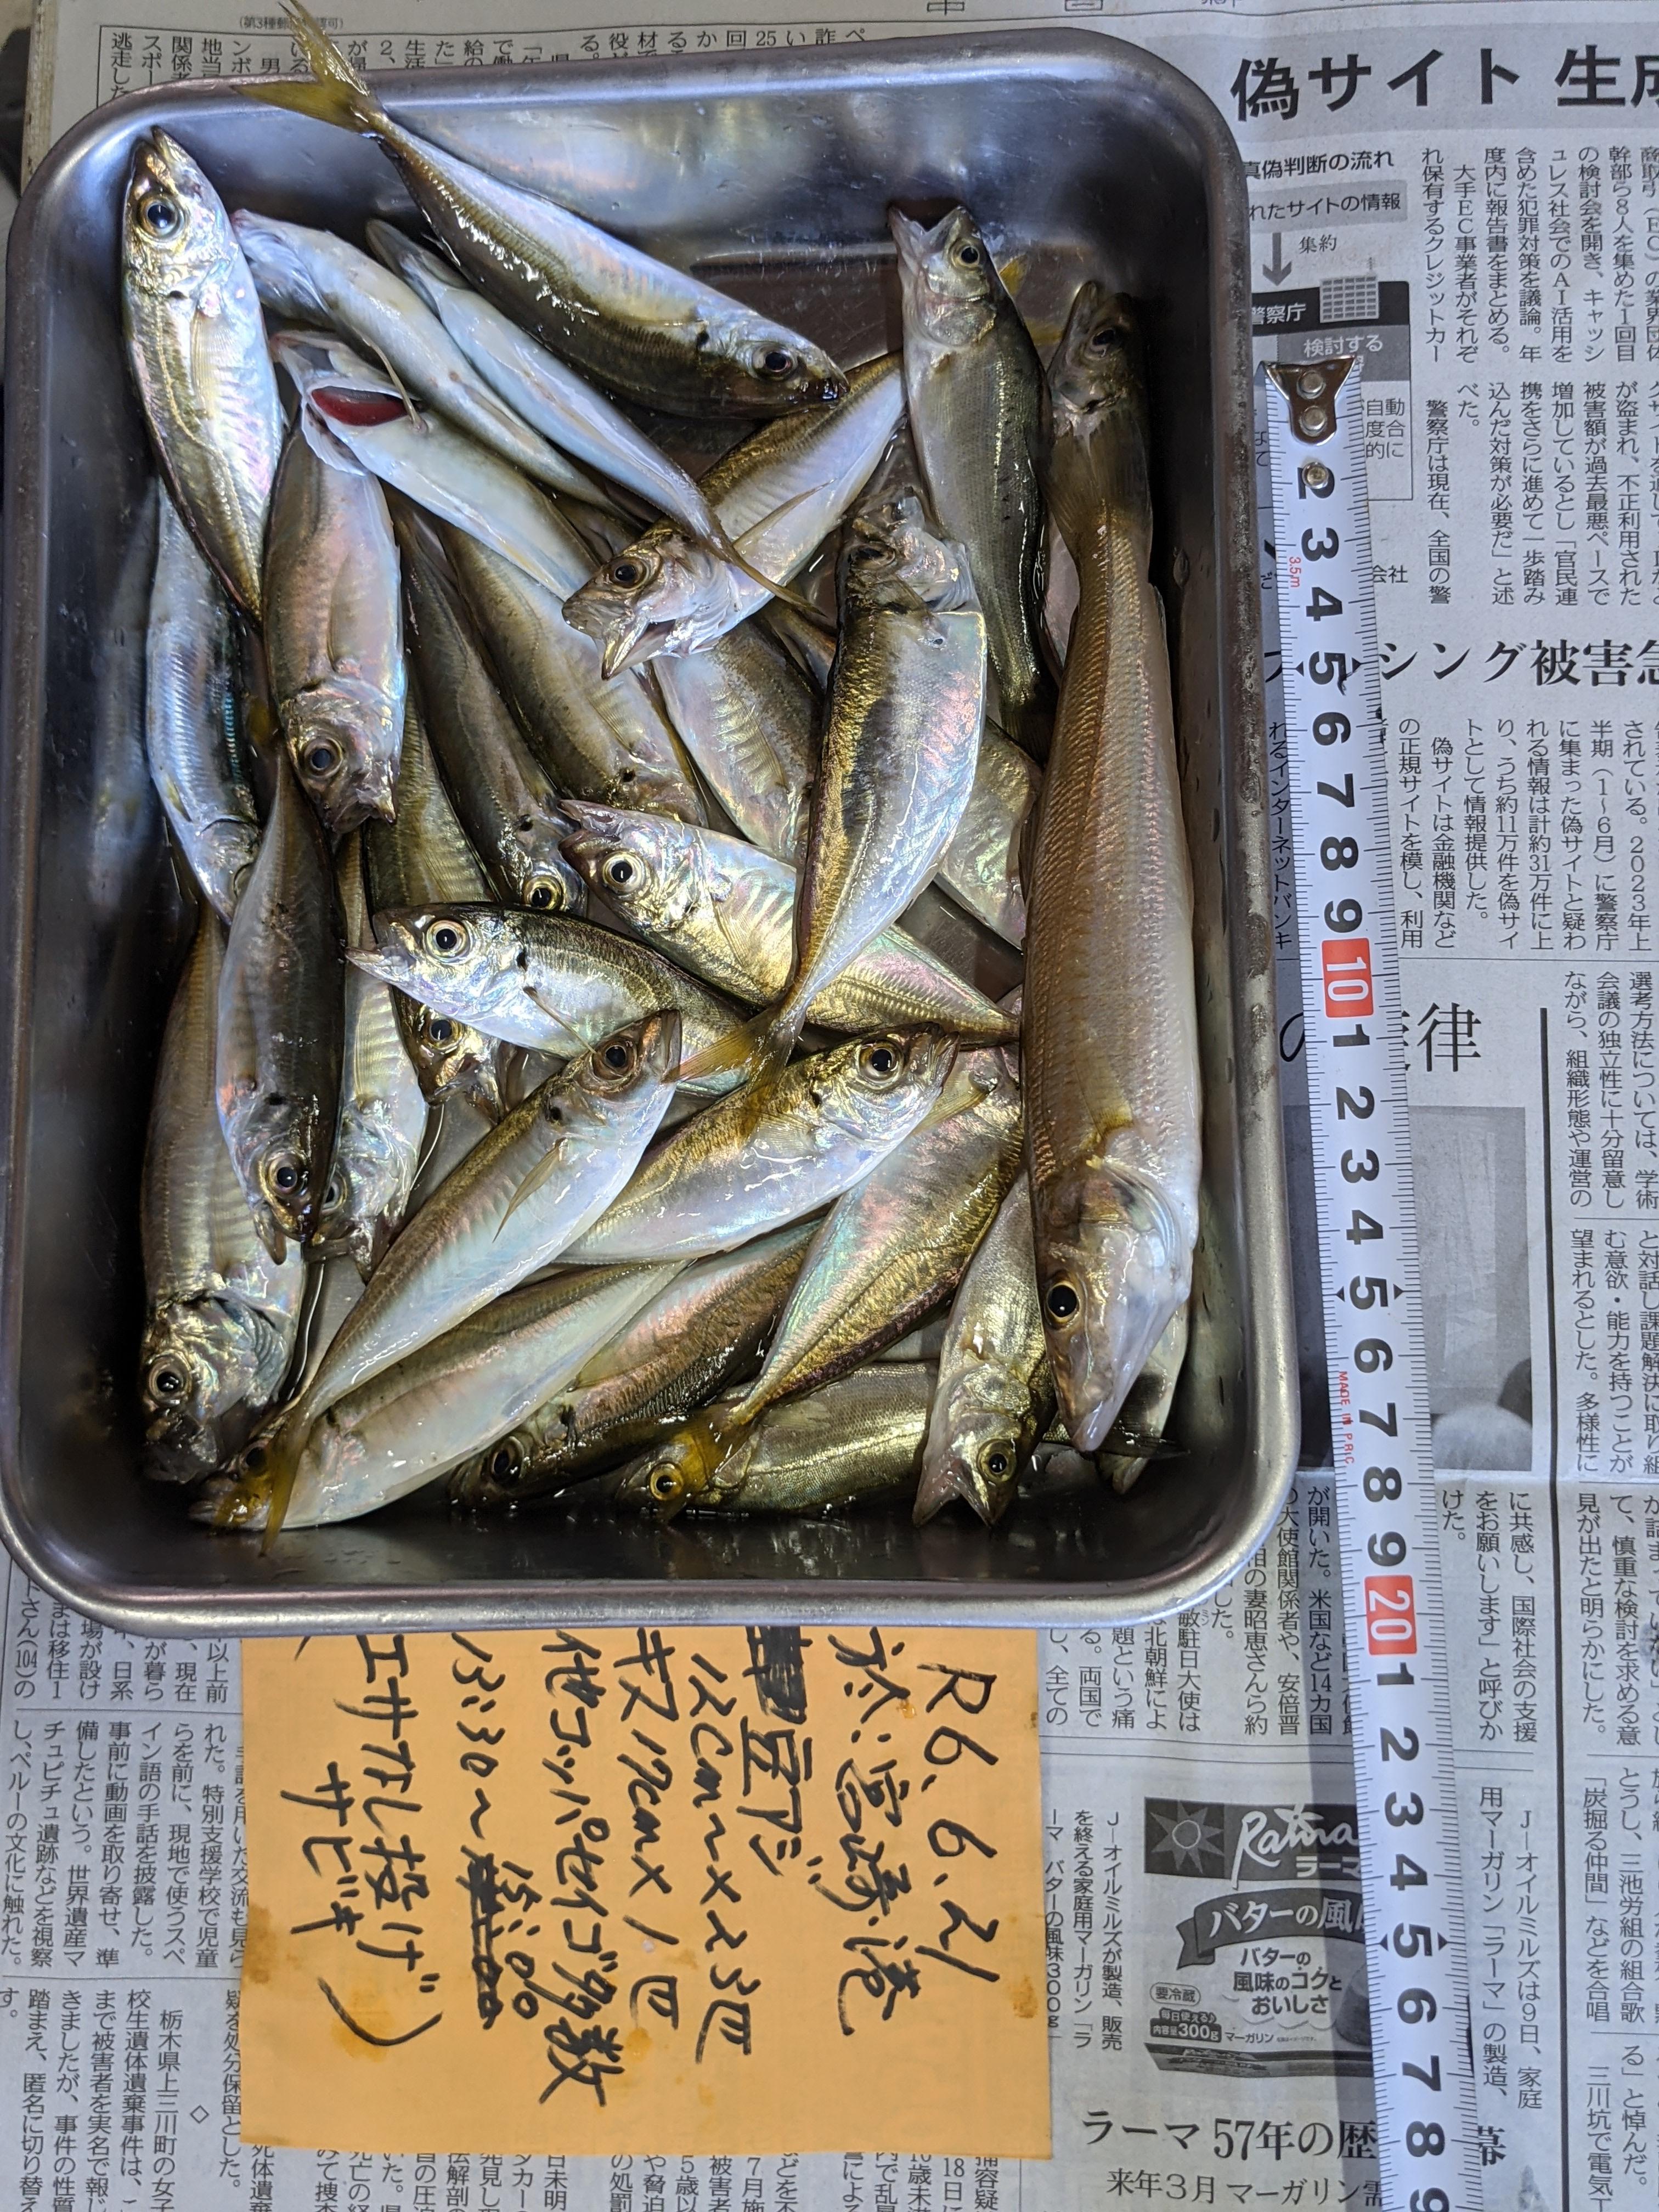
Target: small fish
x: 982, y: 867
x: 423, y: 856
x: 382, y: 1128
x: 281, y: 1023
x: 519, y: 1197
x: 612, y: 742
x: 195, y: 340
x: 896, y: 1245
x: 778, y: 495
x: 310, y: 276
x: 190, y: 737
x: 776, y: 1151
x: 455, y: 1395
x: 1110, y: 1026
x: 637, y: 325
x: 706, y: 1328
x: 995, y: 1394
x: 901, y: 739
x: 221, y: 1314
x: 507, y: 806
x: 726, y: 911
x: 979, y: 417
x: 547, y: 982
x: 855, y: 1441
x: 334, y: 632
x: 1137, y: 1437
x: 749, y: 719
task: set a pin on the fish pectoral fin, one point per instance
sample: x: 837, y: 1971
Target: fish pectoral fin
x: 541, y: 1004
x: 548, y: 1165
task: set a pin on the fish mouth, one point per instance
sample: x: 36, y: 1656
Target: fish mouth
x: 619, y: 631
x: 827, y: 391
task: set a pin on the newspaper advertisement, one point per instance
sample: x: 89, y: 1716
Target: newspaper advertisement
x: 1467, y: 198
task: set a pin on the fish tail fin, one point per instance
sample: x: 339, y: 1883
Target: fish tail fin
x: 759, y: 1049
x: 337, y: 95
x: 276, y: 1474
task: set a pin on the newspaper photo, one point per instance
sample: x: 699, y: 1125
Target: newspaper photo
x: 1468, y: 198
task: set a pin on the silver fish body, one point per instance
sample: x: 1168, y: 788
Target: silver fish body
x: 778, y: 496
x: 900, y: 741
x: 726, y: 911
x: 281, y: 1023
x: 310, y: 276
x: 222, y: 1313
x: 507, y: 805
x: 854, y: 1442
x: 1111, y: 1043
x: 519, y: 1197
x: 983, y: 864
x: 775, y: 1151
x: 549, y: 982
x: 195, y: 340
x: 334, y: 632
x: 638, y: 325
x: 896, y: 1245
x: 382, y: 1127
x: 749, y: 719
x: 1138, y: 1435
x: 454, y: 1396
x: 995, y: 1394
x: 189, y: 735
x: 608, y: 741
x: 706, y: 1328
x: 977, y: 408
x: 422, y: 854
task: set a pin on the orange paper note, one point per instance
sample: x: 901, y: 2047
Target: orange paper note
x: 667, y: 1891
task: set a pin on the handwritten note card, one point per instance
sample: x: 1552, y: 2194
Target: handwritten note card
x: 698, y: 1890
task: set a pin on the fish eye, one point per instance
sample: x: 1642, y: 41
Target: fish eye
x: 628, y: 573
x: 967, y: 255
x: 441, y: 1029
x: 541, y: 894
x: 447, y: 939
x: 1062, y: 1302
x: 1105, y: 336
x: 334, y: 1196
x: 162, y: 217
x: 168, y: 1380
x: 617, y: 1056
x: 879, y: 1060
x: 665, y: 1484
x: 861, y: 556
x: 283, y: 1175
x: 776, y: 361
x: 996, y: 1460
x: 253, y: 1458
x: 321, y: 757
x: 505, y: 1464
x: 618, y: 870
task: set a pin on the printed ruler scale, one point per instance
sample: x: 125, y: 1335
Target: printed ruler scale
x: 1398, y: 1651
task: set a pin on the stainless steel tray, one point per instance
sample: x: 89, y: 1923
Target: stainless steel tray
x: 772, y: 173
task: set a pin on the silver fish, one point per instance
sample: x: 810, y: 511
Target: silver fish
x: 311, y: 276
x: 778, y: 495
x: 855, y: 1441
x: 422, y: 854
x: 597, y: 740
x: 639, y: 327
x: 382, y: 1128
x: 455, y: 1395
x: 896, y: 1245
x: 726, y: 911
x: 1110, y: 1042
x: 776, y: 1151
x: 1137, y: 1437
x: 749, y: 719
x: 707, y: 1328
x: 983, y: 864
x: 995, y: 1394
x: 190, y: 737
x: 907, y: 700
x: 333, y: 1287
x: 334, y: 630
x: 510, y: 809
x: 549, y: 982
x: 280, y: 1024
x: 978, y: 414
x: 195, y: 340
x: 526, y: 1191
x: 540, y: 390
x: 221, y: 1312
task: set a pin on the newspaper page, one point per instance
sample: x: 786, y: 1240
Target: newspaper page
x: 1468, y: 198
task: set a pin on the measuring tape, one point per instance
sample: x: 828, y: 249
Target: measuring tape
x: 1399, y: 1685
